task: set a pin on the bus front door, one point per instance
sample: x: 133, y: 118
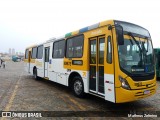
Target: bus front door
x: 96, y: 65
x: 46, y: 61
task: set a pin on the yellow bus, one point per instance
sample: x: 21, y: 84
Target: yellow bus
x: 112, y: 59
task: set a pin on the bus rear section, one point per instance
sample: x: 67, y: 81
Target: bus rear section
x: 29, y: 60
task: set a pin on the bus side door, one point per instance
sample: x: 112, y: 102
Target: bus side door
x: 46, y: 61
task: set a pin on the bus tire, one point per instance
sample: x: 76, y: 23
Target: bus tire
x: 78, y: 87
x: 35, y: 73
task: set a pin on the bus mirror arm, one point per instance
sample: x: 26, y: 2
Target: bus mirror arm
x: 119, y: 33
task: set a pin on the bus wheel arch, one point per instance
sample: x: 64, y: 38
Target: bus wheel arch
x: 75, y: 82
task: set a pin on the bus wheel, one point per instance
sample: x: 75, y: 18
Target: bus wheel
x: 35, y: 74
x: 77, y: 87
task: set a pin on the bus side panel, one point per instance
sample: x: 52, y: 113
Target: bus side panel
x: 109, y: 87
x: 59, y: 73
x: 26, y: 65
x: 32, y: 64
x: 82, y: 69
x: 52, y: 74
x: 40, y: 69
x: 109, y: 66
x: 85, y: 78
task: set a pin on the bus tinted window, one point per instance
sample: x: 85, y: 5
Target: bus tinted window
x: 34, y: 52
x: 40, y: 52
x: 75, y: 47
x: 26, y: 54
x: 109, y: 50
x: 58, y: 49
x: 55, y: 49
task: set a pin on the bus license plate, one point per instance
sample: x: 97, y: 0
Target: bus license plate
x: 146, y: 92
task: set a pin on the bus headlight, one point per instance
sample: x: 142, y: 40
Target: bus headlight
x: 124, y: 83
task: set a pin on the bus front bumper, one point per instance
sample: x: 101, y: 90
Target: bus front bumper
x: 123, y: 95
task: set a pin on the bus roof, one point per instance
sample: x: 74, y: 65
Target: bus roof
x: 31, y: 46
x: 82, y: 30
x: 85, y: 29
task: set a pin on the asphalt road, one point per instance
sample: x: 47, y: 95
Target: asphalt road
x: 20, y: 92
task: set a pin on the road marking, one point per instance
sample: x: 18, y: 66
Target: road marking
x: 76, y: 103
x: 7, y: 108
x: 64, y: 99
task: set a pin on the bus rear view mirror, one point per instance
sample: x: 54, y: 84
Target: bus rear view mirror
x: 120, y: 38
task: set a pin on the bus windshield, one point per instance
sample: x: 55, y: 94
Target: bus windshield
x: 136, y: 56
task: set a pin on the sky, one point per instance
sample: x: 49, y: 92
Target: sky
x: 28, y: 22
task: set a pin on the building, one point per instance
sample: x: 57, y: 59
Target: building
x: 13, y: 51
x: 10, y: 52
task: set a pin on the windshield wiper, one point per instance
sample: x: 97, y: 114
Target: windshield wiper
x: 140, y: 49
x: 130, y: 34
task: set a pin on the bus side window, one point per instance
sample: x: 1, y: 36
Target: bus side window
x: 75, y: 47
x: 34, y: 53
x: 59, y: 49
x: 40, y: 52
x: 109, y: 50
